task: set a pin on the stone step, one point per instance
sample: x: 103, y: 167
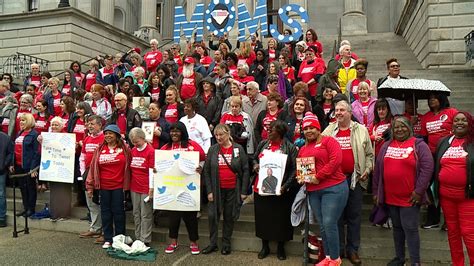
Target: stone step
x: 373, y: 247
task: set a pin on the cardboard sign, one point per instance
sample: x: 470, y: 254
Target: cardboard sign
x: 271, y: 172
x: 220, y: 17
x: 177, y: 185
x: 57, y: 157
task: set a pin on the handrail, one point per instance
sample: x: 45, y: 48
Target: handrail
x: 18, y: 64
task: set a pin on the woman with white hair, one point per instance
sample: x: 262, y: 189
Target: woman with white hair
x: 347, y: 72
x: 154, y: 57
x: 141, y: 184
x: 353, y: 55
x: 363, y: 108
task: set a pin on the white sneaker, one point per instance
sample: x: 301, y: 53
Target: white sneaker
x: 106, y: 245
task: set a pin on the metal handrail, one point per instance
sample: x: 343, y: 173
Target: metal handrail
x: 469, y: 40
x: 19, y: 64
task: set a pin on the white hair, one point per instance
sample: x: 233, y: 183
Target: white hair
x: 345, y: 42
x: 343, y: 47
x: 58, y: 120
x: 346, y: 104
x: 155, y: 41
x: 139, y: 70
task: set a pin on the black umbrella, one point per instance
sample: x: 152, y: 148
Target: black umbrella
x: 403, y: 89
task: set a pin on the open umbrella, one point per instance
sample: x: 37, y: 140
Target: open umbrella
x: 403, y: 89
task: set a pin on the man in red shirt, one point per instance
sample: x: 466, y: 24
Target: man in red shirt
x: 124, y: 117
x: 357, y: 163
x: 89, y: 145
x: 34, y: 77
x: 188, y: 80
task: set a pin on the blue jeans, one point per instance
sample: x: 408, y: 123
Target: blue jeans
x: 351, y: 217
x: 113, y: 213
x: 3, y: 198
x: 405, y: 226
x: 328, y: 205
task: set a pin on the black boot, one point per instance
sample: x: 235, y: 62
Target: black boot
x: 281, y: 254
x: 265, y: 250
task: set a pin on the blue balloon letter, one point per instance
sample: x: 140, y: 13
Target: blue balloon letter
x: 296, y: 27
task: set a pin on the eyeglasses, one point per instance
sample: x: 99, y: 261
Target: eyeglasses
x: 6, y: 78
x: 173, y: 48
x: 24, y: 102
x: 394, y: 66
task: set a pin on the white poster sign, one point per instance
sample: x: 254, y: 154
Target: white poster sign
x: 57, y: 157
x: 270, y: 174
x: 177, y: 185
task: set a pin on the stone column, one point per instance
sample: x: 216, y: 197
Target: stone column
x: 354, y: 20
x: 106, y: 12
x: 148, y: 18
x: 168, y: 19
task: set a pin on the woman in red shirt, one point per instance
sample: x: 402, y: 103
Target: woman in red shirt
x: 272, y: 51
x: 286, y: 67
x: 402, y: 174
x: 273, y: 112
x: 173, y: 110
x: 240, y: 124
x: 78, y: 75
x: 436, y: 124
x: 110, y: 174
x: 180, y: 141
x: 141, y: 184
x: 272, y: 212
x: 153, y: 58
x: 67, y: 109
x: 454, y: 175
x: 311, y: 39
x: 26, y: 160
x: 43, y: 117
x: 226, y: 174
x: 380, y: 128
x: 327, y: 188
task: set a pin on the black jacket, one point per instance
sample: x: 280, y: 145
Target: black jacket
x: 211, y: 111
x: 6, y: 152
x: 133, y: 120
x: 259, y: 124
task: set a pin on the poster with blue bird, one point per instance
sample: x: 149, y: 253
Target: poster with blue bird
x: 57, y: 157
x: 176, y: 184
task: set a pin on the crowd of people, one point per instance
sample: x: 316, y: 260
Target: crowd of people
x: 233, y: 108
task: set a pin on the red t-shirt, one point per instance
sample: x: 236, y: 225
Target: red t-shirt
x: 90, y: 80
x: 266, y: 123
x: 80, y: 131
x: 298, y: 130
x: 142, y: 161
x: 309, y: 71
x: 79, y: 77
x: 377, y: 130
x: 355, y: 85
x: 122, y: 121
x: 188, y: 87
x: 326, y: 108
x: 155, y: 93
x: 437, y: 126
x: 399, y: 172
x: 206, y: 61
x: 273, y: 147
x: 344, y: 139
x: 229, y: 118
x: 56, y: 104
x: 179, y: 61
x: 156, y: 140
x: 111, y: 168
x: 66, y: 89
x: 171, y: 113
x: 65, y: 118
x: 271, y: 55
x: 328, y: 158
x: 19, y: 148
x: 36, y: 80
x: 17, y: 122
x: 365, y: 109
x: 417, y: 124
x: 453, y: 172
x: 152, y: 60
x: 89, y: 145
x: 227, y: 178
x: 233, y: 71
x: 289, y: 73
x: 41, y: 123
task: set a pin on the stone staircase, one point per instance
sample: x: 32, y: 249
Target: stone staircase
x: 378, y: 47
x: 376, y: 243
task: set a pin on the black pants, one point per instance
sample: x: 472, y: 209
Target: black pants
x: 27, y: 186
x: 113, y: 213
x: 190, y: 220
x: 228, y: 201
x: 433, y: 213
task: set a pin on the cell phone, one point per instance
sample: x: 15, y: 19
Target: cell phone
x: 147, y: 199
